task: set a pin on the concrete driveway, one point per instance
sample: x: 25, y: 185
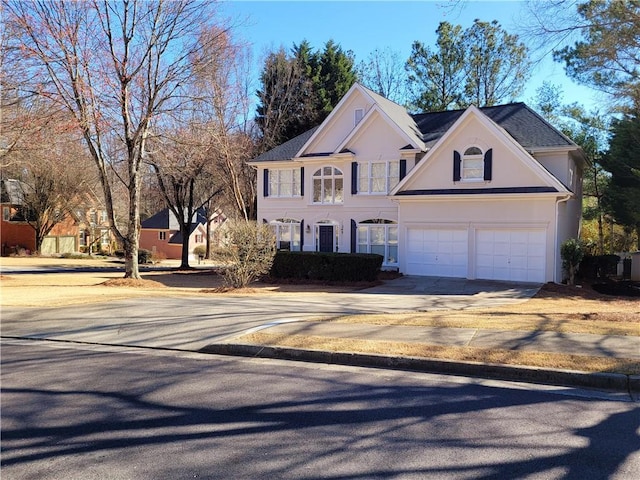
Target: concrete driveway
x: 194, y: 322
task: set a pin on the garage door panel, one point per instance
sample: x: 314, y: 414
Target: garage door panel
x: 437, y: 252
x: 514, y: 255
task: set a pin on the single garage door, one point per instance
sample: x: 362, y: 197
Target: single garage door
x: 513, y: 255
x: 437, y: 252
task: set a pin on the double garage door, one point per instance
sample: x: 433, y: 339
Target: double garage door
x: 497, y: 254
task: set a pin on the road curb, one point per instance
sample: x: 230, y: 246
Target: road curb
x: 618, y: 382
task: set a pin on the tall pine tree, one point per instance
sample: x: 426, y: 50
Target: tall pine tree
x: 299, y: 89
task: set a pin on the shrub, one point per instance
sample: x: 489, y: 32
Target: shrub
x: 200, y: 251
x: 221, y: 255
x: 144, y: 256
x: 599, y: 266
x: 331, y: 267
x: 251, y: 248
x: 572, y: 254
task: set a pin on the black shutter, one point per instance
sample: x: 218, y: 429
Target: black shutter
x: 302, y: 181
x: 302, y: 232
x: 457, y: 162
x: 354, y: 178
x: 403, y: 169
x: 488, y: 167
x: 265, y: 186
x: 354, y: 236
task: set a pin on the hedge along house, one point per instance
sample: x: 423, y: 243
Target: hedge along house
x: 487, y: 193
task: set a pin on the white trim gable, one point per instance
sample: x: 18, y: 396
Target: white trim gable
x: 375, y: 106
x: 507, y: 140
x: 327, y: 121
x: 366, y: 121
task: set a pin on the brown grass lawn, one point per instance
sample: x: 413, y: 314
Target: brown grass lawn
x: 555, y: 308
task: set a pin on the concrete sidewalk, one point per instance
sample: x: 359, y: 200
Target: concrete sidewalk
x: 608, y: 346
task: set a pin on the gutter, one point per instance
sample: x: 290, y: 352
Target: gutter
x: 556, y: 250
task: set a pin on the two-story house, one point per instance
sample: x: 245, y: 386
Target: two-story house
x: 486, y: 193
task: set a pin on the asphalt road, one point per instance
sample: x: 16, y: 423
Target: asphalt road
x: 191, y: 323
x: 81, y: 412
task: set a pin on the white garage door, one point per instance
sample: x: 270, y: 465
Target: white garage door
x: 513, y: 255
x: 434, y: 252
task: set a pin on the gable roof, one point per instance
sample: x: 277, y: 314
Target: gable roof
x: 287, y: 150
x: 508, y: 140
x: 394, y: 113
x: 522, y: 123
x: 161, y: 220
x: 526, y: 127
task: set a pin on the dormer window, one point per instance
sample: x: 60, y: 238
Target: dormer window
x: 358, y: 115
x: 473, y: 165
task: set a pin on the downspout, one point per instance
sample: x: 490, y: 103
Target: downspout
x: 556, y: 250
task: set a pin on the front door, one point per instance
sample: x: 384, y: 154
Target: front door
x: 325, y: 238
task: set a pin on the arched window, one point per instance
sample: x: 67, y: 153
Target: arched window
x: 473, y: 164
x: 328, y: 185
x: 379, y: 236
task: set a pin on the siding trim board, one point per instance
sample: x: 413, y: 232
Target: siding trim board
x: 478, y: 191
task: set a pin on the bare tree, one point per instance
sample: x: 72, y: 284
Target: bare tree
x: 119, y: 67
x: 180, y: 166
x: 224, y: 106
x: 51, y: 170
x: 384, y: 72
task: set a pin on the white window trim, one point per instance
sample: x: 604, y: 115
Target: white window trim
x: 358, y: 115
x: 368, y: 165
x: 466, y: 157
x: 386, y: 241
x: 296, y: 188
x: 162, y: 235
x: 291, y: 225
x: 333, y: 177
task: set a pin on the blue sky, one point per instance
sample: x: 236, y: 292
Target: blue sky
x: 363, y: 26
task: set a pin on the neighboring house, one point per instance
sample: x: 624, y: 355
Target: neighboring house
x: 486, y: 193
x: 161, y: 235
x: 85, y: 228
x: 16, y: 235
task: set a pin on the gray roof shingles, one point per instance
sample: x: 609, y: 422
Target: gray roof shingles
x: 526, y: 127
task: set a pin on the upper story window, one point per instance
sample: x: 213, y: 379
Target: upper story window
x: 473, y: 164
x: 378, y: 177
x: 285, y: 182
x: 358, y: 115
x: 162, y: 235
x: 6, y: 214
x: 328, y: 185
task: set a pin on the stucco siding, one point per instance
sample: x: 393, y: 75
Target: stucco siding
x: 510, y: 168
x: 525, y: 214
x: 341, y: 123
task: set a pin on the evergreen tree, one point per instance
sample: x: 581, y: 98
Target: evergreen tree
x: 497, y: 65
x: 300, y: 88
x: 623, y: 162
x: 482, y: 65
x: 436, y: 78
x: 608, y: 55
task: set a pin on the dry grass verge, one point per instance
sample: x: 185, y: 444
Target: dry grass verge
x: 467, y: 354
